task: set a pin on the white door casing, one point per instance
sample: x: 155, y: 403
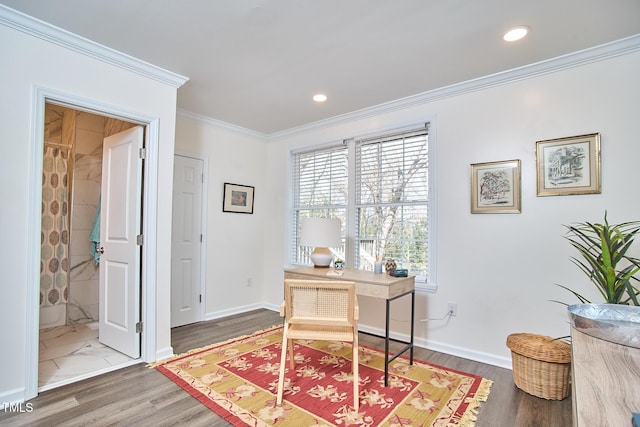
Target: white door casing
x: 186, y: 241
x: 120, y: 225
x: 150, y: 350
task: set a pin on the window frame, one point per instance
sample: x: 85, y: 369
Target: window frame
x: 294, y: 217
x: 426, y: 283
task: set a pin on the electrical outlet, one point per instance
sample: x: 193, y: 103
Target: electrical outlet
x: 452, y: 308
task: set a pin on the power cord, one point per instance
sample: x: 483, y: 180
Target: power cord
x: 447, y: 314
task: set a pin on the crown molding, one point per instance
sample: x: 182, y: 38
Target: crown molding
x: 220, y: 124
x: 575, y: 59
x: 45, y: 31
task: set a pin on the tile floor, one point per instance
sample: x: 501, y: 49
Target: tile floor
x: 71, y: 353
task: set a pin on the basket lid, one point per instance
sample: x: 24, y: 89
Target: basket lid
x: 540, y: 347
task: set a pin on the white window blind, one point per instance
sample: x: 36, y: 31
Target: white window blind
x: 392, y: 200
x: 320, y: 181
x: 386, y: 215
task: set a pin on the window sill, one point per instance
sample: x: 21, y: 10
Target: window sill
x: 423, y: 286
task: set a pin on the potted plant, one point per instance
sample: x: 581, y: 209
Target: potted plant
x: 604, y: 248
x: 605, y: 335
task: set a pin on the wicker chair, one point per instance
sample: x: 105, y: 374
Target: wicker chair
x: 319, y: 310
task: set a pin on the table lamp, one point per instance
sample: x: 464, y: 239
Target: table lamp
x: 322, y: 234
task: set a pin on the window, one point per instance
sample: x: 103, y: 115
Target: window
x: 386, y: 214
x: 320, y: 191
x: 392, y: 195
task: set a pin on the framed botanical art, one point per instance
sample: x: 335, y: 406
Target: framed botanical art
x: 568, y: 165
x: 495, y: 187
x: 238, y: 198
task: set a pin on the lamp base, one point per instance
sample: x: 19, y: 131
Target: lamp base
x: 321, y: 257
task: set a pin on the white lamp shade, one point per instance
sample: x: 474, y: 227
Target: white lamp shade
x: 320, y: 232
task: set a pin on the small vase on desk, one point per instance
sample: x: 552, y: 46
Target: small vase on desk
x: 377, y: 268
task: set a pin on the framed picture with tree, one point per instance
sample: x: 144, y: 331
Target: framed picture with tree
x: 495, y: 187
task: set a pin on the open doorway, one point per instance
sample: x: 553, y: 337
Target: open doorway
x: 70, y: 347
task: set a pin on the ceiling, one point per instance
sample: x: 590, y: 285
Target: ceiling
x: 257, y: 63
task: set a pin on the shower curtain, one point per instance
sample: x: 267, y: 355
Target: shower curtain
x: 54, y: 258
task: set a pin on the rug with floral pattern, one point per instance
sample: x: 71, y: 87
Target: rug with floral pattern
x: 238, y: 380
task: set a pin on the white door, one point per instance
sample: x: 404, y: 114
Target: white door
x: 120, y: 226
x: 186, y: 241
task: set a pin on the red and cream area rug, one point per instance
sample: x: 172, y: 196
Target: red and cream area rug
x: 238, y: 380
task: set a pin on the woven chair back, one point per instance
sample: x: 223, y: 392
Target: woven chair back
x: 320, y: 302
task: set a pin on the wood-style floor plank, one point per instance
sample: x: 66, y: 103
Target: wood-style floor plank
x: 139, y: 396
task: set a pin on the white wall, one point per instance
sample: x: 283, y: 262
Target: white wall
x: 30, y: 63
x: 499, y: 268
x: 234, y: 242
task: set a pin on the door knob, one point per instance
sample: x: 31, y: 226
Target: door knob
x: 101, y: 250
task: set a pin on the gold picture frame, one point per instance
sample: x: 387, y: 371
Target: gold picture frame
x: 496, y: 187
x: 568, y: 166
x: 238, y: 198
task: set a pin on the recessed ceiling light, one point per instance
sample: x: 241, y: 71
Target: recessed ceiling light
x: 515, y: 33
x: 320, y: 97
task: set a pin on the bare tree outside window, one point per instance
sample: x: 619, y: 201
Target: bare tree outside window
x: 392, y: 200
x: 390, y: 204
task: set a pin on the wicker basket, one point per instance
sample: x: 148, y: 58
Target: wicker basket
x: 541, y: 365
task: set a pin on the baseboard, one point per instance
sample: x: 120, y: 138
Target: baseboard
x: 12, y: 396
x: 238, y: 310
x: 477, y: 356
x: 164, y: 353
x: 462, y: 352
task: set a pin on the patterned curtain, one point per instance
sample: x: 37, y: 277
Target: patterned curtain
x: 54, y: 258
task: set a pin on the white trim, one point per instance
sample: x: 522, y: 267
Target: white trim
x: 239, y: 310
x: 12, y: 396
x: 88, y: 375
x: 384, y: 132
x: 219, y: 123
x: 164, y: 353
x: 203, y: 246
x: 431, y: 284
x: 477, y: 356
x: 426, y: 286
x: 45, y: 31
x: 32, y: 312
x: 150, y: 231
x: 574, y: 59
x: 570, y: 60
x: 42, y: 95
x: 351, y: 211
x: 287, y: 232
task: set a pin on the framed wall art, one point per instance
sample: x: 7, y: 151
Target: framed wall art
x: 237, y: 198
x: 568, y: 166
x: 495, y: 187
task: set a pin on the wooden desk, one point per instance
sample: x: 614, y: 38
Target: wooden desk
x: 372, y: 285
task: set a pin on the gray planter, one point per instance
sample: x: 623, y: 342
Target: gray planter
x: 605, y: 350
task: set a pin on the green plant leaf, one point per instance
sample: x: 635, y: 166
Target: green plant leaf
x: 603, y: 249
x: 582, y: 299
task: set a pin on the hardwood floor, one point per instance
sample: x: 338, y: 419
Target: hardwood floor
x: 139, y: 396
